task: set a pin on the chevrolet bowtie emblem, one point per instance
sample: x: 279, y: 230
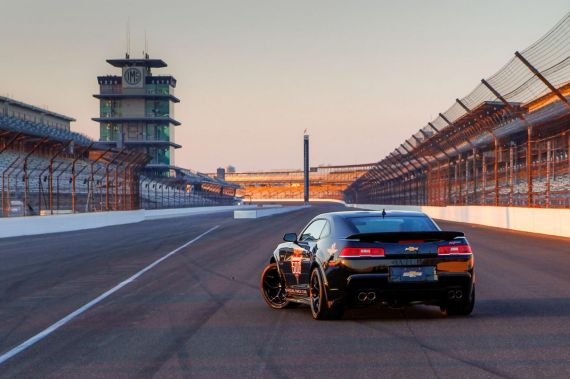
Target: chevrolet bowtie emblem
x: 412, y: 274
x: 412, y: 248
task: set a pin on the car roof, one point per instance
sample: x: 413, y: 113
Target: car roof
x: 389, y: 213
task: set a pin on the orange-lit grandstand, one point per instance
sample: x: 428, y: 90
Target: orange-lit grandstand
x: 326, y: 182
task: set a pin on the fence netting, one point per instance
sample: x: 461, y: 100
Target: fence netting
x: 504, y: 143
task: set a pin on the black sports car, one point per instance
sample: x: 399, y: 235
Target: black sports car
x: 352, y: 259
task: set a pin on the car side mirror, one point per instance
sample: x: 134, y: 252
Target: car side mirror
x: 290, y: 237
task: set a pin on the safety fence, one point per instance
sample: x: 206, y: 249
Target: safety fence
x: 44, y: 175
x: 507, y: 143
x: 176, y: 192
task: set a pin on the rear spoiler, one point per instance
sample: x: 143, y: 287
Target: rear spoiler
x: 405, y: 236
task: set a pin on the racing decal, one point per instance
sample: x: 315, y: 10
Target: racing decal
x: 296, y: 291
x: 296, y: 260
x: 332, y: 249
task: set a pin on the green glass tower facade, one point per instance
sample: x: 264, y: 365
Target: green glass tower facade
x: 136, y: 111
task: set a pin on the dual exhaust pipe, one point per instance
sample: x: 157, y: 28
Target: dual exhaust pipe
x: 371, y: 296
x: 366, y: 296
x: 455, y: 294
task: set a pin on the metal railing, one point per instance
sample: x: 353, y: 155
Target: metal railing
x: 506, y: 143
x: 157, y: 193
x: 47, y: 177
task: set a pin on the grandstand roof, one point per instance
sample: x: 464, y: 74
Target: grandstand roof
x: 198, y: 177
x: 17, y: 125
x: 350, y: 167
x: 35, y: 109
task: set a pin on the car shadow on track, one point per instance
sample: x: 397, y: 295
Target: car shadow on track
x: 387, y: 313
x: 484, y: 309
x: 384, y: 312
x: 526, y: 307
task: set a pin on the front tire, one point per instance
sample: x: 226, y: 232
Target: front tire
x: 318, y: 299
x: 273, y: 288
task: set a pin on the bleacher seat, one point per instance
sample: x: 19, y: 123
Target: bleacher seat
x: 36, y: 129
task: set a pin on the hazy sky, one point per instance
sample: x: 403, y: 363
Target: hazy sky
x: 252, y: 75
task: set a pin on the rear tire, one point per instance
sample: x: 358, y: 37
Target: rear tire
x: 318, y: 299
x: 273, y: 288
x: 463, y: 308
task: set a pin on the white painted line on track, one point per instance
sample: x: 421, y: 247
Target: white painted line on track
x: 46, y: 332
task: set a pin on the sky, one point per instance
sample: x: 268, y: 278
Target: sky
x: 361, y: 76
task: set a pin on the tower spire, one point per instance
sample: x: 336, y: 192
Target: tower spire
x: 128, y: 52
x: 145, y: 53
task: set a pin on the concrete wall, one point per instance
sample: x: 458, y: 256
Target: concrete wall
x: 299, y: 200
x: 554, y: 222
x: 264, y: 212
x: 157, y: 214
x: 25, y: 226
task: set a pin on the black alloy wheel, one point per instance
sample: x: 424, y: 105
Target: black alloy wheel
x: 273, y: 288
x: 318, y: 297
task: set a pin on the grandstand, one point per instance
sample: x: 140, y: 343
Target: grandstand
x: 185, y: 189
x: 507, y: 143
x: 48, y: 169
x: 325, y: 182
x: 41, y: 175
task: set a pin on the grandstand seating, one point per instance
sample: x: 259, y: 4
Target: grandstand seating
x: 171, y: 193
x: 89, y: 189
x: 326, y: 182
x: 91, y: 193
x: 15, y: 124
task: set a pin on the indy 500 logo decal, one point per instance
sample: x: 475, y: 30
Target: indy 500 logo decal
x: 296, y: 261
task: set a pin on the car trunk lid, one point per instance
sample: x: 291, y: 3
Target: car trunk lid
x: 407, y: 244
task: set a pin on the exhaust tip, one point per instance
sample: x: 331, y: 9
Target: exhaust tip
x: 451, y: 294
x: 458, y: 294
x: 362, y: 296
x: 371, y: 296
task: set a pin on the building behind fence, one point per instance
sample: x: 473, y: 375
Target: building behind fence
x: 507, y: 143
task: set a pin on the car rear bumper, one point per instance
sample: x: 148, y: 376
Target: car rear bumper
x: 438, y: 292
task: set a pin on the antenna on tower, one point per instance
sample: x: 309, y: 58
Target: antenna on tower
x: 128, y: 53
x: 145, y: 53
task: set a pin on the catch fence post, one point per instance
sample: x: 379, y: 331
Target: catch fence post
x: 548, y: 171
x: 496, y: 172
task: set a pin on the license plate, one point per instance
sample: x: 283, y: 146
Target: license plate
x: 413, y: 274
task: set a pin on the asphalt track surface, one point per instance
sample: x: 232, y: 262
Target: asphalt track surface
x: 199, y: 312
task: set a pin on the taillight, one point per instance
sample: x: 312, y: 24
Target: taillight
x: 362, y: 252
x: 454, y: 249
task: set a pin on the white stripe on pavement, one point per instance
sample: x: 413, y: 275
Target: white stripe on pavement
x: 46, y: 332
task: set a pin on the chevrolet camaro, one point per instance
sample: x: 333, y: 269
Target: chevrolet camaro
x: 362, y: 258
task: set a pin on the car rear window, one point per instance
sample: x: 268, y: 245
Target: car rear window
x: 377, y: 224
